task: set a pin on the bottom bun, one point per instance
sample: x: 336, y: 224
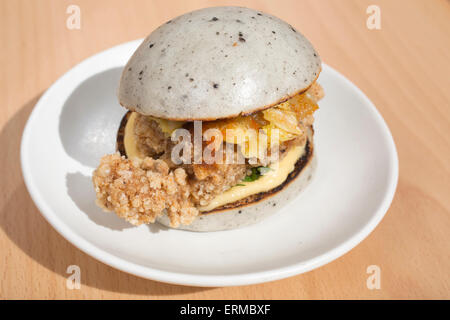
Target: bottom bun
x: 259, y: 206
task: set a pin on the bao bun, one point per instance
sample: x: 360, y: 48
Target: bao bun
x: 216, y: 63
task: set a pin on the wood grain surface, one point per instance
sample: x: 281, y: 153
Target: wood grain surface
x: 404, y: 68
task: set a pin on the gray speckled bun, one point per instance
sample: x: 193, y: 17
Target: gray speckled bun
x: 253, y: 213
x: 216, y: 63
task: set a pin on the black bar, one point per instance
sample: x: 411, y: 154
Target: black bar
x: 227, y: 309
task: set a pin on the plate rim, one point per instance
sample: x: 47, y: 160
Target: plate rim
x: 207, y: 280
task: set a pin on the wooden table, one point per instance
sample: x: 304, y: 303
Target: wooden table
x: 404, y: 68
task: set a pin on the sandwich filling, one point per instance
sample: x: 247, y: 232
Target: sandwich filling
x: 144, y: 182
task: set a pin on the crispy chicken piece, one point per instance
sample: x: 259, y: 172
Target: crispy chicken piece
x: 141, y: 190
x: 152, y: 141
x: 206, y: 180
x: 214, y: 179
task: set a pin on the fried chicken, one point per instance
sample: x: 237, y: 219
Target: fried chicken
x: 140, y: 190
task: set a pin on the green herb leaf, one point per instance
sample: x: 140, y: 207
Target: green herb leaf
x: 255, y: 174
x: 248, y: 179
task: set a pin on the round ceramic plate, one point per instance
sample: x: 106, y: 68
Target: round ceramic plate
x: 75, y: 123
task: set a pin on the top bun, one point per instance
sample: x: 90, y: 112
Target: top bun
x: 216, y: 63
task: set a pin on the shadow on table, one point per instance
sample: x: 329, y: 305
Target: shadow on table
x: 25, y: 226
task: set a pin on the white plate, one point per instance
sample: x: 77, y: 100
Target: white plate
x: 75, y: 123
